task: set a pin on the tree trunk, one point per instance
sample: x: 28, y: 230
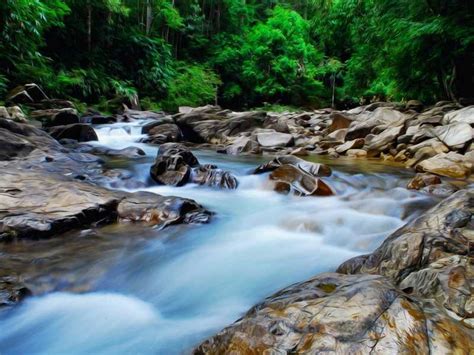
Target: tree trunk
x: 89, y: 26
x: 149, y: 16
x: 333, y: 89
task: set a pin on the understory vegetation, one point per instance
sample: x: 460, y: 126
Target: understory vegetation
x: 240, y: 53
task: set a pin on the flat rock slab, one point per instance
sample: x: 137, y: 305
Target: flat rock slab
x: 334, y: 313
x: 35, y: 204
x: 274, y: 139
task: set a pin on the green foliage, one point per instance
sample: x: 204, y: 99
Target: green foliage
x: 300, y: 53
x: 193, y: 85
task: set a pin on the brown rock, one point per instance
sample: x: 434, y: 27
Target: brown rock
x: 451, y: 165
x: 306, y: 166
x: 423, y: 180
x: 290, y: 178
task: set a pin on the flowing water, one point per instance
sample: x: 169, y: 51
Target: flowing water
x: 143, y: 290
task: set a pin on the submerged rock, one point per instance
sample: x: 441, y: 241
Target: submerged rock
x: 12, y: 291
x: 336, y: 313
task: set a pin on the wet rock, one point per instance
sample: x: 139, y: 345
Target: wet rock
x: 125, y: 153
x: 440, y: 190
x: 422, y: 180
x: 335, y: 313
x: 429, y: 255
x: 160, y: 210
x: 61, y: 203
x: 312, y: 169
x: 164, y: 133
x: 290, y: 178
x: 214, y: 177
x: 446, y: 164
x: 12, y: 291
x: 57, y: 205
x: 176, y: 165
x: 79, y: 132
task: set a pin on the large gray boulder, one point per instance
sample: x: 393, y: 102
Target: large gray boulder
x: 341, y: 314
x: 430, y: 257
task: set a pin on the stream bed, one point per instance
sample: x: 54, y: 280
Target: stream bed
x: 124, y: 289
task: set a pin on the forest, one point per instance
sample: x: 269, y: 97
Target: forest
x: 240, y: 53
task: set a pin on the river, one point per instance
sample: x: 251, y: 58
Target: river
x: 134, y: 289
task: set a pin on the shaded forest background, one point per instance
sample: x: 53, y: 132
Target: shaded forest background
x: 240, y: 53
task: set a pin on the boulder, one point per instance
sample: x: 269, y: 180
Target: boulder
x: 26, y: 94
x: 455, y: 135
x: 414, y: 105
x: 339, y: 121
x: 446, y: 164
x: 155, y: 123
x: 12, y: 291
x: 159, y: 210
x: 164, y: 133
x: 210, y: 175
x: 124, y: 153
x: 132, y: 115
x: 422, y: 180
x: 80, y: 132
x: 382, y: 141
x: 429, y: 257
x: 242, y: 145
x: 313, y: 169
x: 205, y: 125
x: 440, y: 190
x: 61, y: 203
x: 172, y: 168
x: 13, y: 113
x: 290, y: 178
x: 19, y: 140
x: 356, y: 153
x: 341, y: 314
x: 382, y: 117
x: 274, y: 139
x: 354, y: 144
x: 176, y: 165
x: 464, y: 115
x: 56, y: 117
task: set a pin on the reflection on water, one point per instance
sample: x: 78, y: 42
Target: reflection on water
x: 151, y: 291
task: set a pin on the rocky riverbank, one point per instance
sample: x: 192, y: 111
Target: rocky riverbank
x: 413, y: 293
